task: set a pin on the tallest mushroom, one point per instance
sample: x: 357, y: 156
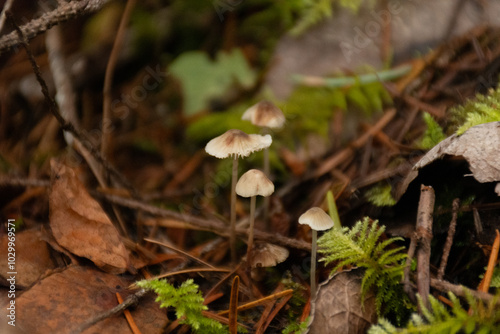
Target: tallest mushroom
x: 236, y: 143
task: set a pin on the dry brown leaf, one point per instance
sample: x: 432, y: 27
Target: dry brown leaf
x: 30, y: 265
x: 338, y: 309
x: 80, y: 225
x: 479, y: 145
x: 63, y: 301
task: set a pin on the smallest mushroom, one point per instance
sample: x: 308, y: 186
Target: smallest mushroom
x: 318, y: 220
x: 251, y: 184
x: 266, y: 255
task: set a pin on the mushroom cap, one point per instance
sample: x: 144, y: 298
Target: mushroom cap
x: 253, y: 183
x: 237, y: 142
x: 317, y: 219
x: 268, y: 255
x: 266, y: 114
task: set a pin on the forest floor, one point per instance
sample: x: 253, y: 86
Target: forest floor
x: 105, y: 182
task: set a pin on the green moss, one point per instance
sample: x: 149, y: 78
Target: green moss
x: 478, y: 317
x: 187, y: 302
x: 433, y: 135
x: 380, y: 195
x: 482, y: 109
x: 361, y: 246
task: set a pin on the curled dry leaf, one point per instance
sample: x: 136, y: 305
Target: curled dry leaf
x: 338, y: 309
x: 479, y: 146
x: 80, y: 225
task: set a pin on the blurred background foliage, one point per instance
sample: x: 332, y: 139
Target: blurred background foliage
x: 216, y: 55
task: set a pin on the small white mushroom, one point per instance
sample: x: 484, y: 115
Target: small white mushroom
x: 268, y: 255
x: 253, y: 183
x: 265, y: 114
x: 318, y: 220
x: 235, y: 143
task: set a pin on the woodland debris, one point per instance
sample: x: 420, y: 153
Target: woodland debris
x: 479, y: 145
x: 77, y: 294
x: 338, y: 307
x: 424, y: 235
x: 80, y: 225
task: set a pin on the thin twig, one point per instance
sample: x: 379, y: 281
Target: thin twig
x: 6, y: 7
x: 180, y: 251
x: 108, y: 78
x: 66, y: 126
x: 339, y: 157
x: 407, y: 270
x: 424, y: 233
x: 128, y: 316
x: 460, y: 290
x: 449, y: 238
x: 64, y: 12
x: 485, y: 283
x: 129, y: 301
x: 216, y: 226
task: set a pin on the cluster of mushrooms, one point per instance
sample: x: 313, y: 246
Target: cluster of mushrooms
x: 235, y: 144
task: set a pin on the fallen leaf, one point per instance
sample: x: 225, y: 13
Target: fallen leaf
x: 63, y: 301
x: 29, y: 265
x: 479, y: 145
x: 338, y: 308
x: 80, y: 225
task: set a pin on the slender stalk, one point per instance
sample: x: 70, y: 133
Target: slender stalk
x: 313, y: 264
x: 107, y: 114
x: 250, y: 231
x: 267, y: 171
x: 232, y: 235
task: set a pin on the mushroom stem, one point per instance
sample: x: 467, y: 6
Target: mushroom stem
x: 267, y: 171
x: 314, y: 246
x: 232, y: 233
x: 250, y: 231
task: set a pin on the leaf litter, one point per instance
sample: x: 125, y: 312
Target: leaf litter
x: 60, y: 300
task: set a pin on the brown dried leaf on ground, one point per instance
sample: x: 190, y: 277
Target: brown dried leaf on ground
x: 479, y: 146
x: 63, y: 301
x: 338, y: 308
x: 30, y: 264
x: 80, y: 225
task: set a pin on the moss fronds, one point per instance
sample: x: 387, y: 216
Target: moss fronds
x: 433, y: 135
x: 482, y: 109
x: 380, y: 195
x: 482, y: 318
x: 187, y: 302
x: 361, y: 246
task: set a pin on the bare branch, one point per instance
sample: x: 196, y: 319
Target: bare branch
x: 64, y: 12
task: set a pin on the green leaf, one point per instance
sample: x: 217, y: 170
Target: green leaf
x: 203, y: 79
